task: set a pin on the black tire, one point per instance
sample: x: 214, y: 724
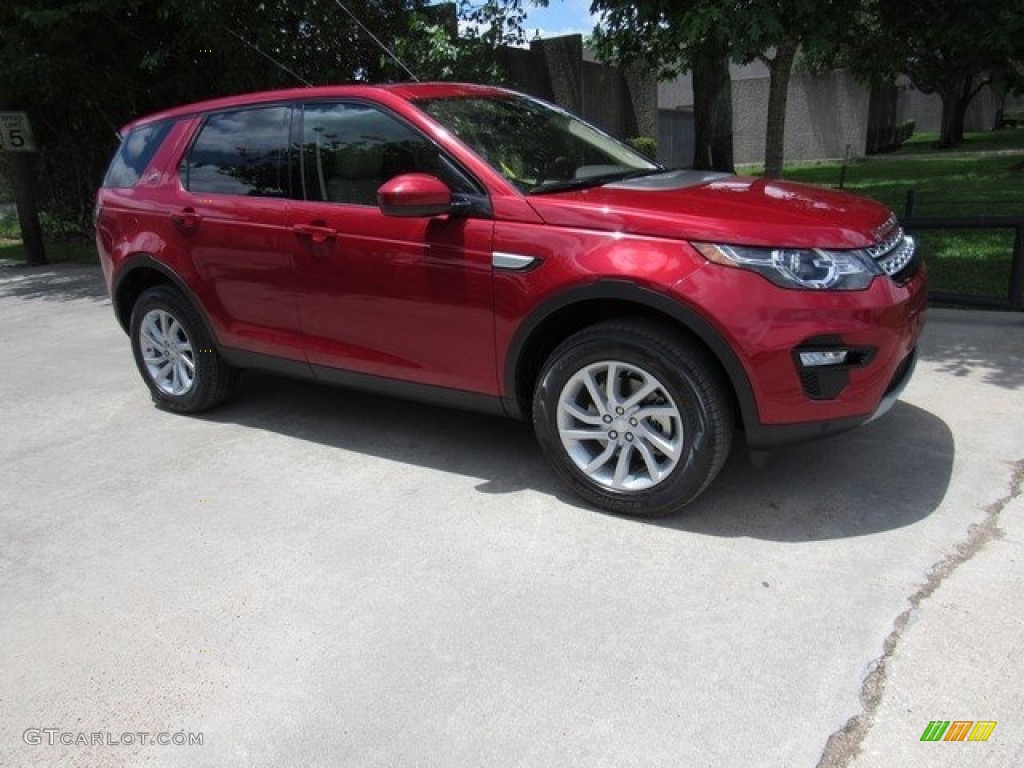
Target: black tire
x: 192, y: 347
x: 672, y: 456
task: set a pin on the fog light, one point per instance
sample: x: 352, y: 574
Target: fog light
x: 823, y: 357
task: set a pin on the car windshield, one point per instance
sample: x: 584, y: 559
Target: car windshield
x: 537, y: 147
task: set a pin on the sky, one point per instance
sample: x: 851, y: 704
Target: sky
x: 561, y: 17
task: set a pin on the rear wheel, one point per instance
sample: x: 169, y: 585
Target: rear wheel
x: 634, y: 418
x: 175, y: 353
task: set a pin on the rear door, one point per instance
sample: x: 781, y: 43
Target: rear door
x: 232, y: 217
x: 402, y: 298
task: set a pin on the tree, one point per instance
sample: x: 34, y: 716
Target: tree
x: 952, y: 48
x: 674, y: 38
x: 464, y: 41
x: 82, y: 68
x: 681, y: 34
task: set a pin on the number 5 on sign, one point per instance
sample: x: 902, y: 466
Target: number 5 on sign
x: 15, y: 133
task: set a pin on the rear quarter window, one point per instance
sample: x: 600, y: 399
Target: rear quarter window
x: 244, y: 152
x: 136, y: 150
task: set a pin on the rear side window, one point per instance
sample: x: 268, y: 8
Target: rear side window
x: 241, y: 153
x: 136, y: 150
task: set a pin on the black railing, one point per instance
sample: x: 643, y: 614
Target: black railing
x: 1014, y: 297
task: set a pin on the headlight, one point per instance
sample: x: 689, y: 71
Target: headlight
x: 813, y: 269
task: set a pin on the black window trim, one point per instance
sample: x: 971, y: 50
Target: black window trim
x: 204, y: 118
x: 477, y: 205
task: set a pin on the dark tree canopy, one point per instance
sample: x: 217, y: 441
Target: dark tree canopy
x: 673, y: 38
x: 82, y: 68
x: 678, y: 36
x: 952, y: 48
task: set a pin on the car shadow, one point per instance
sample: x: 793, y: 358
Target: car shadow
x: 883, y: 476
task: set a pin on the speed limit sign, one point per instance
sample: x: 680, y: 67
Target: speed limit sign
x: 15, y: 133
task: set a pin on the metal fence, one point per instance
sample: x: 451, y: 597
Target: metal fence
x: 1013, y: 299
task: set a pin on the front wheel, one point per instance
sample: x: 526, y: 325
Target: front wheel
x: 176, y: 354
x: 634, y: 418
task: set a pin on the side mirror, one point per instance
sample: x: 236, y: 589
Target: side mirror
x: 414, y: 195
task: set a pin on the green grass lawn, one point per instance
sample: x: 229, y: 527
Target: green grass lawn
x: 66, y: 252
x: 985, y: 176
x: 970, y: 181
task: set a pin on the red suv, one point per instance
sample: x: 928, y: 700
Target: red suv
x: 473, y: 246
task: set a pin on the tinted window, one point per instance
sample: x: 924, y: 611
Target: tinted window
x: 349, y: 150
x: 534, y: 145
x: 241, y: 153
x: 136, y: 150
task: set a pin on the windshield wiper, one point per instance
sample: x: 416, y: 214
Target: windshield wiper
x: 588, y: 182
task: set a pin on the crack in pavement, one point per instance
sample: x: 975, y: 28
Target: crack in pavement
x: 844, y: 745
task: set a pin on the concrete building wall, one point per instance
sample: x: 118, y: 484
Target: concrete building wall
x: 824, y: 115
x: 925, y: 109
x: 676, y: 138
x: 619, y: 100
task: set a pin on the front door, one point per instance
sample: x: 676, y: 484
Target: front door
x: 402, y: 298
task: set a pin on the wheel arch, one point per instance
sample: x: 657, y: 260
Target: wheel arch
x: 559, y: 317
x: 140, y: 273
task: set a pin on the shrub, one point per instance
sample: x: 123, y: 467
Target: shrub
x: 904, y: 131
x: 645, y: 145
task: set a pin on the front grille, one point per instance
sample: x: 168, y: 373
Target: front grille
x: 895, y: 255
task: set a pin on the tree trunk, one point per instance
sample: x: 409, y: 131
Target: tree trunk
x: 956, y: 97
x: 23, y: 167
x: 712, y: 111
x: 780, y: 68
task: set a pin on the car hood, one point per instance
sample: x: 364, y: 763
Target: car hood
x: 711, y: 207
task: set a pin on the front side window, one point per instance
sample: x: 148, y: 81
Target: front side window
x: 349, y: 150
x: 136, y: 150
x: 535, y: 146
x: 244, y: 152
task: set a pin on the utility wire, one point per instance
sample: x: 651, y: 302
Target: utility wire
x: 269, y: 57
x: 387, y: 50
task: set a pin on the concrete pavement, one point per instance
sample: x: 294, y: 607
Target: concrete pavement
x: 308, y: 576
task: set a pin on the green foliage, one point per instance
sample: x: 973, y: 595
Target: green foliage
x: 962, y: 184
x: 9, y: 228
x: 947, y: 47
x: 673, y: 37
x: 904, y: 131
x: 668, y: 34
x: 927, y: 141
x: 463, y: 42
x: 78, y: 251
x: 645, y: 145
x: 83, y: 68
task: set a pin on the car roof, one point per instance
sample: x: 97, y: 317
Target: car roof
x: 406, y: 91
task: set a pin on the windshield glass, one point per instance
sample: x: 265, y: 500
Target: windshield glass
x: 537, y: 147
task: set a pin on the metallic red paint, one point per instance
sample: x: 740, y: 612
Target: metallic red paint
x: 418, y: 300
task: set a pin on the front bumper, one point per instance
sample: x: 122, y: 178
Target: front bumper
x: 762, y: 437
x: 768, y: 327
